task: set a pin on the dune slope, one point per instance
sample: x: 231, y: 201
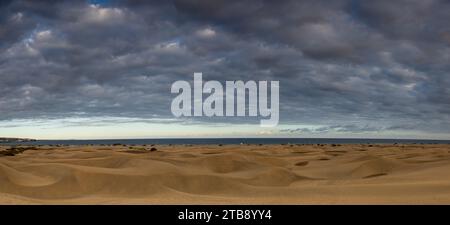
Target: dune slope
x: 229, y: 174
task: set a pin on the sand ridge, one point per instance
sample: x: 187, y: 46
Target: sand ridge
x: 228, y: 174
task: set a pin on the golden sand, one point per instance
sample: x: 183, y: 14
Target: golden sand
x: 229, y: 174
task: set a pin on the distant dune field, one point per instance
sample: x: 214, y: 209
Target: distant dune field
x: 228, y: 174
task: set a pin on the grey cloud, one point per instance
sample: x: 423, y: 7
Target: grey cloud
x: 338, y: 63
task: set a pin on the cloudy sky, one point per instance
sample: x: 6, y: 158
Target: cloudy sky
x: 103, y: 69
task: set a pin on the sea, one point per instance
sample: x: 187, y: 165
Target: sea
x: 229, y: 141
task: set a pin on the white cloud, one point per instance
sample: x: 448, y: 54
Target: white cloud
x: 206, y: 33
x: 98, y: 14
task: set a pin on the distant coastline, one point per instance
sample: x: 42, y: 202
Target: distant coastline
x: 232, y: 141
x: 16, y: 140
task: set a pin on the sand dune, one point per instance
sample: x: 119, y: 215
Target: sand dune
x: 229, y: 174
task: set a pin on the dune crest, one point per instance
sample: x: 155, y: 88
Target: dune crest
x: 239, y: 174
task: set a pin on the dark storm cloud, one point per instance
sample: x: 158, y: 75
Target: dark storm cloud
x: 341, y: 64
